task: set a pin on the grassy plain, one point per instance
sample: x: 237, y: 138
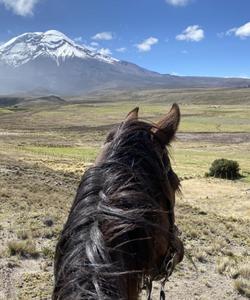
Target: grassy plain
x: 45, y: 149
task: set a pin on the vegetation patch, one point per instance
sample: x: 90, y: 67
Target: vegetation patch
x: 242, y: 286
x: 5, y: 111
x: 25, y: 249
x: 23, y: 234
x: 35, y: 286
x: 224, y: 168
x: 48, y: 252
x: 43, y: 157
x: 85, y: 154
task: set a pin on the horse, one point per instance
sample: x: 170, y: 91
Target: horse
x: 120, y: 234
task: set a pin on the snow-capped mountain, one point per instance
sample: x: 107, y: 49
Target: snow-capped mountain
x: 52, y: 44
x: 50, y: 62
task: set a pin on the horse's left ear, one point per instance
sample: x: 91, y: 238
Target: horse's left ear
x: 133, y: 115
x: 166, y: 128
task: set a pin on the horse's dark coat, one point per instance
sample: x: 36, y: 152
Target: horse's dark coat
x: 122, y: 219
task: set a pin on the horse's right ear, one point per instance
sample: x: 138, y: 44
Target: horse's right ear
x: 166, y: 128
x: 133, y: 115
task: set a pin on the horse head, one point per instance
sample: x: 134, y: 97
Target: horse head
x: 121, y: 229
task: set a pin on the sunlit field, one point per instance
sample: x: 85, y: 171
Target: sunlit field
x: 44, y: 150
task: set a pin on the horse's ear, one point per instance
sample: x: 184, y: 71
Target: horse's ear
x: 133, y: 115
x: 166, y: 128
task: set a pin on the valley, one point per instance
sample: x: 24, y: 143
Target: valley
x: 46, y: 145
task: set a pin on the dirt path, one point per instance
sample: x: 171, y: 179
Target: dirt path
x: 214, y: 137
x: 203, y: 284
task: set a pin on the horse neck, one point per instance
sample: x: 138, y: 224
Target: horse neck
x: 132, y: 287
x: 129, y: 287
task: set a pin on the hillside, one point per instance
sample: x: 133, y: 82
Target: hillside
x: 165, y: 96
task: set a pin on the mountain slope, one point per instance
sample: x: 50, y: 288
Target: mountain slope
x: 44, y: 63
x: 52, y: 44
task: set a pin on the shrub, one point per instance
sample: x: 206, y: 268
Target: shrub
x: 48, y: 221
x: 47, y: 252
x: 24, y: 249
x: 224, y: 168
x: 242, y: 286
x: 23, y: 234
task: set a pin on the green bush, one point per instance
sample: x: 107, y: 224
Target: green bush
x: 224, y: 168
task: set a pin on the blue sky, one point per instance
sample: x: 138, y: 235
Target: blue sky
x: 184, y: 37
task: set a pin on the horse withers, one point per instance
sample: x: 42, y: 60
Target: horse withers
x: 120, y: 233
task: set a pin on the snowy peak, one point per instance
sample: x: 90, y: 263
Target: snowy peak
x: 52, y: 44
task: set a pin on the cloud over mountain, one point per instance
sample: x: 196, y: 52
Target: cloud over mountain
x: 105, y: 51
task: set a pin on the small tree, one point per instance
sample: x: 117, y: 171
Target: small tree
x: 224, y: 168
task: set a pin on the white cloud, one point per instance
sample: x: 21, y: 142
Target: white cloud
x: 78, y: 39
x: 245, y: 76
x: 192, y: 33
x: 105, y: 51
x: 184, y: 52
x: 20, y: 7
x: 178, y: 2
x: 175, y: 74
x: 94, y: 44
x: 147, y: 44
x: 90, y: 48
x: 241, y: 32
x: 105, y: 36
x: 95, y: 47
x: 122, y: 49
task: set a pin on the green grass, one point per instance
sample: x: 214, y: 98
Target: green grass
x: 42, y: 156
x: 201, y: 118
x: 195, y: 160
x: 195, y: 118
x: 5, y: 111
x: 86, y: 154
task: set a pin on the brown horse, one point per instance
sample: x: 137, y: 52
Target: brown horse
x: 120, y: 233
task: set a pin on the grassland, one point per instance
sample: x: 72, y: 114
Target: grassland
x: 45, y: 149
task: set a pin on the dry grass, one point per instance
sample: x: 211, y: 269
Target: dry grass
x: 242, y: 286
x: 41, y: 162
x: 244, y: 270
x: 23, y: 234
x: 48, y: 252
x: 25, y: 249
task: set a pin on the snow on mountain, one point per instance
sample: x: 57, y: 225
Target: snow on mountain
x: 52, y: 43
x: 50, y: 61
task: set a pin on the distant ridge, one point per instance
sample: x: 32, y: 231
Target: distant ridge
x: 45, y: 63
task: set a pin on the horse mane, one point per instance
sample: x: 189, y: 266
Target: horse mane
x: 109, y: 235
